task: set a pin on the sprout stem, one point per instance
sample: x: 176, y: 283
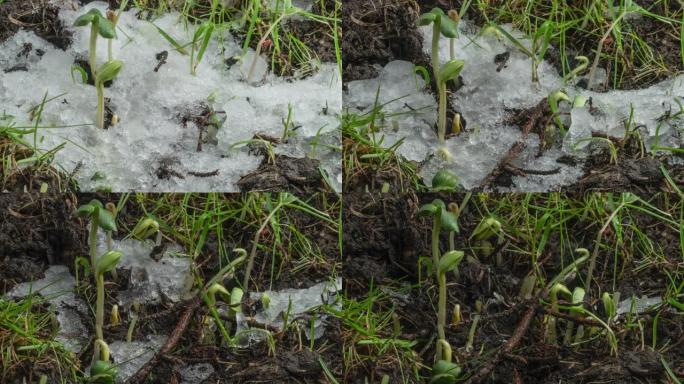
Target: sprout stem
x: 100, y: 104
x: 446, y: 347
x: 99, y: 343
x: 441, y: 317
x: 99, y: 308
x: 441, y: 127
x: 93, y: 48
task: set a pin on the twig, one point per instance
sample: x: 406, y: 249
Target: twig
x: 182, y: 324
x: 576, y: 319
x: 512, y: 342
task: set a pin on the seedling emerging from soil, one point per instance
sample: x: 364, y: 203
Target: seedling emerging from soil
x: 550, y: 333
x: 444, y: 371
x: 441, y: 25
x: 442, y: 218
x: 102, y: 371
x: 107, y: 72
x: 540, y: 44
x: 449, y: 71
x: 145, y: 228
x: 444, y: 181
x: 113, y: 17
x: 99, y: 26
x: 106, y: 263
x: 554, y: 100
x: 99, y: 218
x: 577, y: 307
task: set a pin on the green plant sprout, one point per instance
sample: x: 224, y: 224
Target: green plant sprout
x: 442, y: 219
x: 203, y: 34
x: 540, y: 44
x: 444, y: 371
x: 576, y: 307
x: 441, y: 25
x: 550, y: 331
x: 145, y: 228
x: 104, y: 264
x: 107, y: 72
x: 554, y: 100
x: 100, y: 25
x: 445, y: 181
x: 99, y: 218
x: 583, y: 64
x: 102, y: 371
x: 113, y: 17
x: 449, y: 71
x: 485, y: 230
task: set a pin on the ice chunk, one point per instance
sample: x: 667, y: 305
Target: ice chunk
x: 638, y: 304
x: 579, y: 133
x: 299, y: 302
x: 258, y: 68
x: 195, y: 374
x: 169, y: 278
x: 130, y: 357
x: 58, y: 288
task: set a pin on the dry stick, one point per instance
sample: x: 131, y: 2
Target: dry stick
x: 597, y: 242
x: 576, y: 319
x: 255, y: 242
x: 512, y: 342
x: 183, y: 322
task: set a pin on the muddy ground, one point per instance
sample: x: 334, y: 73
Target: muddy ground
x: 383, y: 240
x: 382, y: 31
x: 39, y: 230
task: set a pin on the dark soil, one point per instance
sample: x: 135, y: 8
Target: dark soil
x: 301, y: 176
x: 35, y: 231
x: 377, y: 32
x: 38, y: 16
x: 383, y: 239
x: 38, y: 230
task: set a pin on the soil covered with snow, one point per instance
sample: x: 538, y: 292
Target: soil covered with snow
x: 495, y: 95
x: 159, y: 143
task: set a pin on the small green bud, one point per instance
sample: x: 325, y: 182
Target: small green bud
x: 102, y: 372
x: 486, y: 229
x: 107, y: 262
x: 450, y: 70
x: 449, y: 261
x: 108, y: 71
x: 265, y: 300
x: 608, y: 305
x: 236, y: 300
x: 444, y: 180
x: 213, y: 290
x: 145, y: 228
x: 445, y: 372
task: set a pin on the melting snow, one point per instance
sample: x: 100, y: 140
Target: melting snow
x: 149, y: 135
x: 484, y: 101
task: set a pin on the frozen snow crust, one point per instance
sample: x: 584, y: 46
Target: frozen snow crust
x: 148, y: 104
x: 484, y: 102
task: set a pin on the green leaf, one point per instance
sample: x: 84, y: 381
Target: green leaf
x: 449, y: 261
x: 107, y: 262
x: 444, y: 372
x: 79, y: 69
x: 145, y: 228
x: 106, y: 29
x: 449, y: 221
x: 102, y: 372
x: 87, y: 18
x: 449, y: 28
x: 428, y: 210
x: 444, y: 180
x: 427, y: 19
x: 85, y: 210
x: 544, y: 32
x: 106, y: 220
x: 450, y: 70
x: 207, y: 37
x: 108, y: 71
x: 171, y: 40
